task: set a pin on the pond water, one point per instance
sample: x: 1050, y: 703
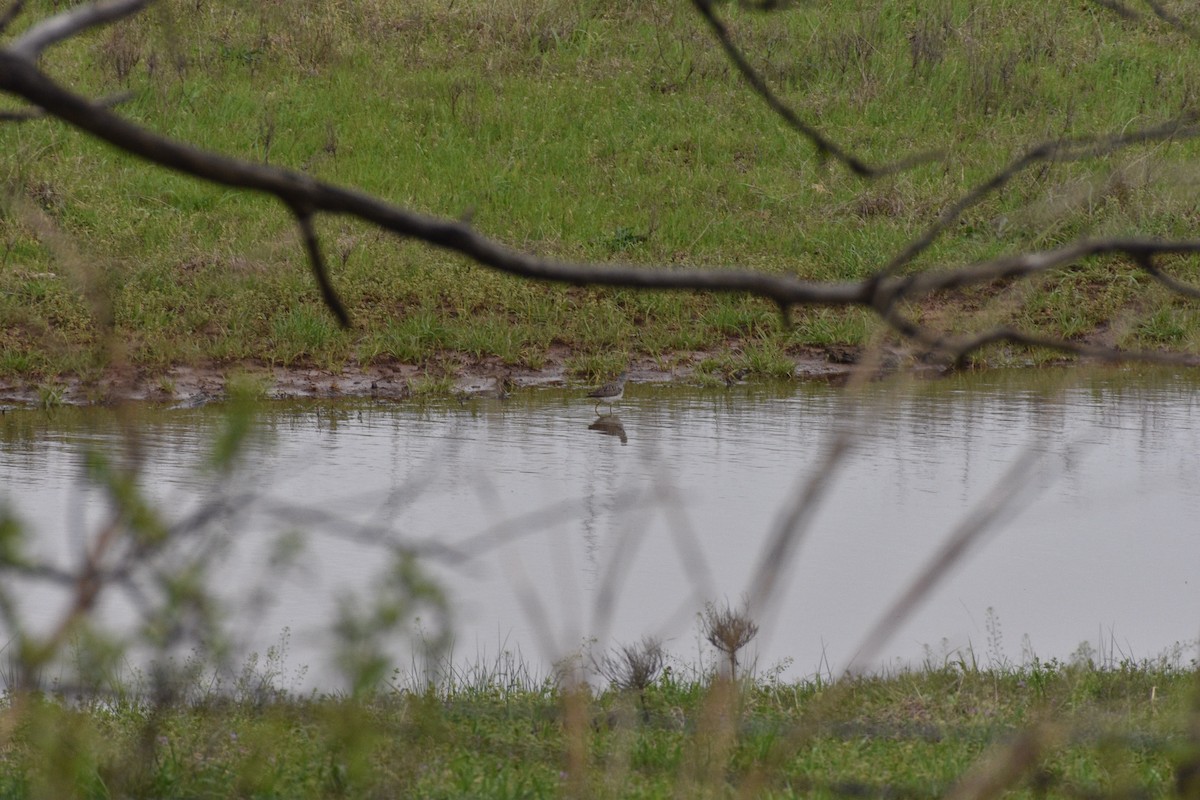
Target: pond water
x: 547, y: 527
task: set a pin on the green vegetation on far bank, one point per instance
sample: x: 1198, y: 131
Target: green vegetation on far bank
x: 1074, y: 730
x: 591, y: 130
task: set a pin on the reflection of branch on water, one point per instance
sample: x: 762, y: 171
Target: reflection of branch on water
x: 610, y: 426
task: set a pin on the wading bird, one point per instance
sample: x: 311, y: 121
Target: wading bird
x: 610, y: 392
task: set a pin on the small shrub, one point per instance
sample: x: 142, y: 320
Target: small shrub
x: 634, y: 667
x: 729, y: 630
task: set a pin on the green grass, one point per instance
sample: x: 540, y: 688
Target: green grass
x: 497, y: 731
x: 581, y: 130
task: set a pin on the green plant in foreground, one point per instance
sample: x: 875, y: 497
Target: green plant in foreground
x: 50, y: 396
x: 490, y: 731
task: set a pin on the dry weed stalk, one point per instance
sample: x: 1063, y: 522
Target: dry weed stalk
x: 729, y: 630
x: 633, y: 667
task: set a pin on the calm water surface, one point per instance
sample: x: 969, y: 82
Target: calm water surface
x: 545, y: 532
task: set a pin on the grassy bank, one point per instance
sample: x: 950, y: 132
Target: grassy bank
x: 584, y: 130
x: 1068, y: 731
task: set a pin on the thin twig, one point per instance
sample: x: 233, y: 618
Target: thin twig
x: 825, y: 146
x: 298, y: 190
x: 1035, y: 263
x: 1146, y: 262
x: 1055, y: 151
x: 320, y: 271
x: 956, y: 349
x: 959, y: 349
x: 1172, y: 20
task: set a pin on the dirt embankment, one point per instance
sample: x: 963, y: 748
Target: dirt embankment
x: 196, y: 385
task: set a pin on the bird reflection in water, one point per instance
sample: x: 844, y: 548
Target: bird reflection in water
x: 610, y: 425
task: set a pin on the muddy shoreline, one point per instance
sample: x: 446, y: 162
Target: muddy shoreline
x: 197, y: 385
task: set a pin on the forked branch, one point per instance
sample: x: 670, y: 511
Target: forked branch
x: 1063, y: 150
x: 826, y: 148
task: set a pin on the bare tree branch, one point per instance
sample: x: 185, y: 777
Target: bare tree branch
x: 825, y: 146
x: 1026, y: 264
x: 766, y: 5
x: 320, y: 271
x: 26, y: 115
x: 63, y: 26
x: 301, y: 191
x: 1056, y: 151
x: 957, y: 349
x: 1169, y: 18
x: 881, y: 292
x: 1146, y: 262
x: 1160, y: 11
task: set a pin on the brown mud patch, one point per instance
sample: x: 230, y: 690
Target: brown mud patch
x: 196, y: 385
